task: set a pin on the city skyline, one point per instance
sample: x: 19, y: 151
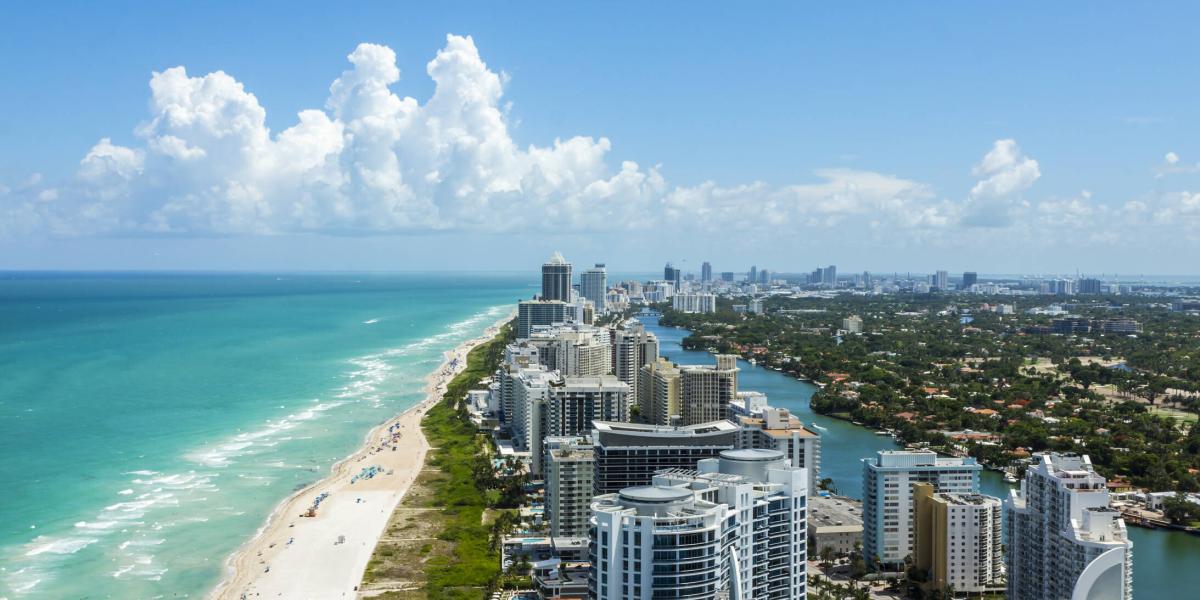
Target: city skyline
x: 984, y: 144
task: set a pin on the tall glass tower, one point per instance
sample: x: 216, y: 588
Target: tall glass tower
x: 556, y: 279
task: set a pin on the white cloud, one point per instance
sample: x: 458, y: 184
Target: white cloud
x: 375, y: 162
x: 372, y: 161
x: 1171, y: 158
x: 1005, y: 172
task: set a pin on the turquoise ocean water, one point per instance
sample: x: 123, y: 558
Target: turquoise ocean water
x: 149, y: 423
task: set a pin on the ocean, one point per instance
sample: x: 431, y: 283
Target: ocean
x: 149, y: 423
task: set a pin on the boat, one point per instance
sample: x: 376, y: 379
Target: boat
x: 1010, y: 478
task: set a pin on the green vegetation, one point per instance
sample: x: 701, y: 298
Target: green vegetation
x: 922, y: 369
x: 460, y: 492
x: 1181, y: 511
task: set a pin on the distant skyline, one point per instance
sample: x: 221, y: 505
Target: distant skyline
x: 1021, y: 138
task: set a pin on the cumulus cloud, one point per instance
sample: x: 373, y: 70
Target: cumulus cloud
x: 1005, y: 172
x: 372, y: 161
x: 1172, y: 165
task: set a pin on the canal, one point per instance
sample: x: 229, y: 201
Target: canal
x: 1165, y: 563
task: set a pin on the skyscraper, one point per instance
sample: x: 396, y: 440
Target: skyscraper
x: 941, y: 281
x: 569, y: 469
x: 673, y: 275
x: 1062, y: 540
x: 957, y: 540
x: 658, y: 392
x: 752, y: 276
x: 556, y: 279
x: 706, y: 390
x: 706, y: 272
x: 733, y: 527
x: 888, y: 496
x: 632, y: 347
x: 969, y: 279
x: 593, y: 285
x: 829, y: 275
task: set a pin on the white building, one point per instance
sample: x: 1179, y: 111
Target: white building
x: 574, y: 350
x: 632, y: 348
x: 732, y: 528
x: 852, y: 324
x: 958, y: 540
x: 593, y: 285
x: 1063, y: 542
x: 755, y: 307
x: 888, y: 496
x: 701, y: 302
x: 776, y: 429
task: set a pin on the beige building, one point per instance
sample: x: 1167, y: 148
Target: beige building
x: 957, y: 540
x: 659, y: 392
x: 707, y: 390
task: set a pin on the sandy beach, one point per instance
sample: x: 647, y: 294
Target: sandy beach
x: 324, y: 556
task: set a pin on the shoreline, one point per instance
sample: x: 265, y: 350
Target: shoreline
x: 324, y: 556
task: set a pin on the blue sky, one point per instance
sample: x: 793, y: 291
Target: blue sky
x: 852, y: 134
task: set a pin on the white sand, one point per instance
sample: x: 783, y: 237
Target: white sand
x: 313, y: 565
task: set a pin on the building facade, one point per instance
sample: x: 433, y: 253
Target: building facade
x: 629, y: 454
x: 776, y: 429
x: 556, y: 279
x: 732, y: 528
x: 1062, y: 540
x: 659, y: 392
x: 707, y: 390
x: 888, y: 496
x: 957, y: 540
x: 593, y: 285
x: 568, y: 477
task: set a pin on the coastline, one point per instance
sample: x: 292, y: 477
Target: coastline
x: 324, y: 556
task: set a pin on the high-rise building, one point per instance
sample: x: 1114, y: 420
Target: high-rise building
x: 556, y: 279
x: 727, y: 276
x: 706, y: 272
x: 957, y: 540
x: 969, y: 279
x: 571, y: 406
x: 764, y: 277
x: 768, y: 498
x: 707, y: 390
x: 574, y: 350
x: 673, y: 275
x: 540, y: 313
x: 852, y: 324
x: 632, y: 348
x: 1062, y: 541
x: 628, y: 454
x: 658, y: 392
x: 1090, y: 286
x: 829, y: 275
x: 940, y: 281
x: 752, y: 275
x: 888, y: 496
x: 569, y: 469
x: 773, y: 428
x: 700, y: 302
x: 593, y: 285
x: 731, y: 528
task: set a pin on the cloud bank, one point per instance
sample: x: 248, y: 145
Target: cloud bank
x: 372, y: 162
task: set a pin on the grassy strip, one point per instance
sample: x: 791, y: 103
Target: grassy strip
x: 468, y: 565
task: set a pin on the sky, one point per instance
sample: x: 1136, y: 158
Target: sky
x: 1017, y: 137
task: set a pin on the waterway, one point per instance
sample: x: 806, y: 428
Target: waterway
x: 1165, y: 563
